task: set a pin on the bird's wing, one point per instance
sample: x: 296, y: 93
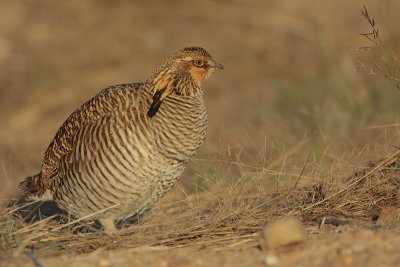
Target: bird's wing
x: 74, y: 142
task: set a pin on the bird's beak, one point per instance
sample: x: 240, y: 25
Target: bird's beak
x: 217, y: 66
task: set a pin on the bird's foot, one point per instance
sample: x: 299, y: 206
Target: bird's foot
x: 108, y: 226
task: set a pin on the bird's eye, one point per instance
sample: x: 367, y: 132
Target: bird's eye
x: 198, y: 63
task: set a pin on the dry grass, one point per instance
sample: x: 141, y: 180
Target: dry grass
x: 221, y: 218
x: 388, y: 63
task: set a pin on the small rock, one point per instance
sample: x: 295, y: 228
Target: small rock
x: 389, y: 217
x: 282, y: 232
x: 271, y: 260
x: 103, y: 262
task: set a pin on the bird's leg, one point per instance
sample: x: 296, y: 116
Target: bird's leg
x: 108, y: 226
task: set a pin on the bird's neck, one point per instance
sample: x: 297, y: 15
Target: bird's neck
x: 183, y: 84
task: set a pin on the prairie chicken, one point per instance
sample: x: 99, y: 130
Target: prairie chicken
x: 122, y: 150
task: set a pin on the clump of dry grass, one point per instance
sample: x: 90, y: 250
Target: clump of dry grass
x: 222, y: 217
x: 387, y: 64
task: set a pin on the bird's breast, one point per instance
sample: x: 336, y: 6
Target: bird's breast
x: 180, y: 127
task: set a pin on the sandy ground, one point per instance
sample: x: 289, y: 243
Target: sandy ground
x: 343, y: 246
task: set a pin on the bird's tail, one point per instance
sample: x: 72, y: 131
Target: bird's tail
x: 33, y: 185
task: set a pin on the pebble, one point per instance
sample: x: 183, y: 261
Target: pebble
x: 271, y: 260
x: 282, y: 232
x: 103, y: 262
x: 389, y: 217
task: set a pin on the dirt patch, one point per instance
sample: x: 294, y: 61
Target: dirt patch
x: 344, y: 246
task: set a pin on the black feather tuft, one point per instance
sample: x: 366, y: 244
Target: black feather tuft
x: 156, y: 103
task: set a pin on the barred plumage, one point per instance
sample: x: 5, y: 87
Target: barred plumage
x: 126, y: 147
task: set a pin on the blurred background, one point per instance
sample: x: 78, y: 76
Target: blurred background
x: 297, y: 74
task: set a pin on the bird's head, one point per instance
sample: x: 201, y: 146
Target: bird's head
x: 182, y: 73
x: 194, y: 62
